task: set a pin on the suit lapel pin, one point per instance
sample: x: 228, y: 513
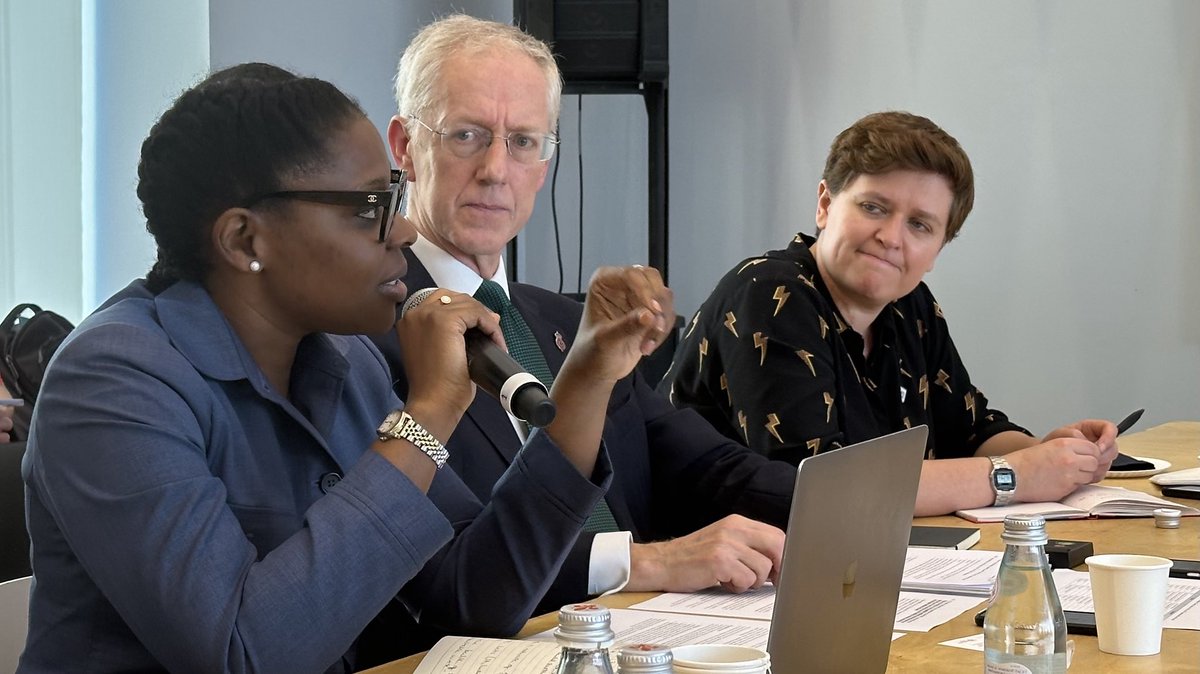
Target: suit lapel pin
x: 559, y: 341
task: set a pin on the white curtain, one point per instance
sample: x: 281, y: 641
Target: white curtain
x: 82, y: 82
x: 40, y: 155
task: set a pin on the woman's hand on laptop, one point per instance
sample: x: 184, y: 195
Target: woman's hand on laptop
x: 735, y: 552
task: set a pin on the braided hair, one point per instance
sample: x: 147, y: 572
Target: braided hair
x: 240, y: 132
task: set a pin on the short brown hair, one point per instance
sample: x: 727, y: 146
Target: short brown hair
x: 898, y: 141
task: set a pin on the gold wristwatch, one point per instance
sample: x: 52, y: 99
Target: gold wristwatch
x: 399, y: 425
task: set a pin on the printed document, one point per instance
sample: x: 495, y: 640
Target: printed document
x: 915, y: 611
x: 476, y: 654
x: 676, y: 629
x: 539, y: 653
x: 756, y: 604
x: 970, y: 572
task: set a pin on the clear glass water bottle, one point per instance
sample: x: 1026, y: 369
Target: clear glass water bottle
x: 645, y: 659
x: 1024, y: 629
x: 585, y: 634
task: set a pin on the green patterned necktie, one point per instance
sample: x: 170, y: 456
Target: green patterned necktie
x: 524, y: 349
x: 521, y: 344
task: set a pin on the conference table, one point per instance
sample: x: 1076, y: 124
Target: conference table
x: 1177, y: 442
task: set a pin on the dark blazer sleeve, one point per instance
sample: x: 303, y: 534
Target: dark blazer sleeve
x: 554, y: 320
x: 672, y: 471
x: 694, y: 475
x: 488, y: 579
x: 484, y: 444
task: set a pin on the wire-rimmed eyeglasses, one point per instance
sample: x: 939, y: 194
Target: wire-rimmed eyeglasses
x: 466, y: 140
x: 376, y: 205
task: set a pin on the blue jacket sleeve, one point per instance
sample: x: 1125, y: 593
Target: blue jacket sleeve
x: 132, y: 514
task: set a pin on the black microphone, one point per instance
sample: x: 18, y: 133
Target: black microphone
x: 520, y: 394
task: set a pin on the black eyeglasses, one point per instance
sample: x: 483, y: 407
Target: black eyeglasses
x: 380, y: 206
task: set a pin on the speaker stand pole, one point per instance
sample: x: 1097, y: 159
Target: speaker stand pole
x: 655, y: 96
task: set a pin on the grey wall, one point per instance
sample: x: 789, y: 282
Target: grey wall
x: 1074, y: 289
x: 139, y: 55
x: 354, y: 43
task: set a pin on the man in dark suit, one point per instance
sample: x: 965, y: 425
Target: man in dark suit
x: 478, y: 103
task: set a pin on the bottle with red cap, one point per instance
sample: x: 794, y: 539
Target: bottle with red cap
x: 645, y: 659
x: 585, y: 634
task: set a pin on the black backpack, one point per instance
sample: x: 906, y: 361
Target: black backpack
x: 26, y: 344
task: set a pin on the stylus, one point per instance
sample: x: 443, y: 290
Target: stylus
x: 1129, y: 421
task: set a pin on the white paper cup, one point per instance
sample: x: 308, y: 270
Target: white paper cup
x: 727, y: 659
x: 1129, y: 593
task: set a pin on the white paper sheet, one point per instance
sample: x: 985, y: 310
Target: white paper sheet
x: 756, y: 604
x: 923, y: 611
x: 950, y: 571
x: 971, y: 643
x: 677, y: 629
x: 915, y: 612
x: 539, y: 653
x: 473, y: 654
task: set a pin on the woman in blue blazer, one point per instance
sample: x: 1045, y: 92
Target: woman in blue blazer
x: 219, y: 476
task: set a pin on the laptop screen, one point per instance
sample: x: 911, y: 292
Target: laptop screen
x: 847, y: 536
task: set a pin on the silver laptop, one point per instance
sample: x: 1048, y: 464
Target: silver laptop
x: 835, y: 604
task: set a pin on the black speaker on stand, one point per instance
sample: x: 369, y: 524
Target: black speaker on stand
x: 617, y: 47
x: 614, y: 47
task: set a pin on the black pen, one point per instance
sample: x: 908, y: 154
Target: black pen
x: 1129, y: 421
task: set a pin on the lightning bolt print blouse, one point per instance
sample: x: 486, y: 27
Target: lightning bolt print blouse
x: 770, y: 362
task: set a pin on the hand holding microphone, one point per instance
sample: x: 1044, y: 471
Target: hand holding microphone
x: 492, y: 369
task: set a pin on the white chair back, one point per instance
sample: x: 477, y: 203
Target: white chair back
x: 14, y: 621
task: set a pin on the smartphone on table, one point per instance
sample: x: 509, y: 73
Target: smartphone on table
x: 1078, y: 622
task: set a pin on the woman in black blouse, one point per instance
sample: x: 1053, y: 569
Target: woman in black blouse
x: 835, y: 339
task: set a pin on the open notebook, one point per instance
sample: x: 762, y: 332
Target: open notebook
x: 1088, y: 501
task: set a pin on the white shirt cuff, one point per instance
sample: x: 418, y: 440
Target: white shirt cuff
x: 608, y: 565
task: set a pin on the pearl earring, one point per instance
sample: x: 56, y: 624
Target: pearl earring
x: 255, y: 266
